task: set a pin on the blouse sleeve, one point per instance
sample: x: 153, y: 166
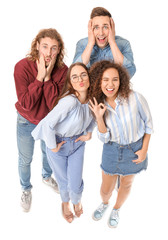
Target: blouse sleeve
x: 45, y: 130
x: 145, y: 113
x: 104, y: 137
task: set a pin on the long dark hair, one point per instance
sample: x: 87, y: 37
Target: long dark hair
x: 68, y: 88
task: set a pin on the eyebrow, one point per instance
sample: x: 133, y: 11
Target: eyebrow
x: 108, y: 78
x: 76, y: 74
x: 47, y: 45
x: 105, y: 24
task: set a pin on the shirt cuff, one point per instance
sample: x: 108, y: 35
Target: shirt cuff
x: 104, y: 137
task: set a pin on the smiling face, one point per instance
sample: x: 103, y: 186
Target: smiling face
x: 79, y: 79
x: 110, y: 83
x: 49, y: 48
x: 101, y: 26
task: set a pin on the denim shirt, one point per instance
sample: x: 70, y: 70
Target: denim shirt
x: 99, y: 54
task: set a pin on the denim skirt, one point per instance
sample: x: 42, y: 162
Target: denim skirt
x: 117, y: 159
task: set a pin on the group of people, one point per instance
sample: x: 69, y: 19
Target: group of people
x: 62, y: 105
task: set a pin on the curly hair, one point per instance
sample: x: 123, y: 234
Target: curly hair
x: 68, y: 88
x: 96, y: 73
x: 53, y: 34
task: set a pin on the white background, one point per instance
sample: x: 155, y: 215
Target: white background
x: 144, y: 215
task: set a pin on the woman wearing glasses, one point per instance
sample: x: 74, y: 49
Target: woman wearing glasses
x: 65, y: 130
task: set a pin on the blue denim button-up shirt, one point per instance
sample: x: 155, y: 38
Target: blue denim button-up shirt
x: 99, y: 54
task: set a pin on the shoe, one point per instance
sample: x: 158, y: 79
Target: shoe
x: 68, y: 216
x: 99, y: 212
x: 26, y: 200
x: 114, y: 218
x: 52, y: 183
x: 78, y: 211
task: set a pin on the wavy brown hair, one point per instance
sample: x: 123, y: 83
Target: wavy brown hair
x: 99, y: 11
x: 68, y: 88
x: 53, y: 34
x: 96, y: 73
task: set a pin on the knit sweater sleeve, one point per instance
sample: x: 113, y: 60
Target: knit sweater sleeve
x: 28, y: 92
x: 53, y: 87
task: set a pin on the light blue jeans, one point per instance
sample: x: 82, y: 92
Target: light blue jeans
x: 67, y: 166
x: 25, y: 143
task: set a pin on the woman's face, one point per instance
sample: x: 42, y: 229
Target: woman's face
x: 110, y: 83
x: 79, y: 79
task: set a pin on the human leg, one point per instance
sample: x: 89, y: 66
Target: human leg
x: 25, y: 143
x: 46, y: 169
x: 123, y: 192
x: 107, y: 187
x: 58, y: 163
x: 75, y: 170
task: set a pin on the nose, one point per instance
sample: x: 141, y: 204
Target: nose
x: 101, y: 31
x: 110, y: 83
x: 49, y: 52
x: 80, y: 79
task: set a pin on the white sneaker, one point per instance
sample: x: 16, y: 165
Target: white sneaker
x: 99, y: 212
x: 52, y: 183
x: 26, y: 200
x: 114, y: 218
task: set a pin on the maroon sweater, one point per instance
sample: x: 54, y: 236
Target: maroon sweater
x: 35, y: 98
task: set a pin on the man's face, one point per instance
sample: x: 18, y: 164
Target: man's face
x: 101, y: 25
x: 49, y: 48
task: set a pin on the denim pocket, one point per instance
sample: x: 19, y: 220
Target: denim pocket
x: 135, y: 147
x: 22, y: 120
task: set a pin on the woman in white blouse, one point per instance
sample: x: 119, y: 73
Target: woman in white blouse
x: 124, y: 125
x: 65, y: 130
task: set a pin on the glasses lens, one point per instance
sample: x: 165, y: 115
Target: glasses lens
x: 84, y: 76
x: 74, y: 79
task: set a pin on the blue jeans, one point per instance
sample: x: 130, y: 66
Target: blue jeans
x: 25, y: 143
x: 67, y: 166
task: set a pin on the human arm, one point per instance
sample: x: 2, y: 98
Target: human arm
x: 146, y: 124
x: 46, y: 129
x: 58, y: 147
x: 54, y: 85
x: 29, y: 90
x: 121, y: 50
x: 84, y: 138
x: 85, y: 46
x: 43, y: 72
x: 91, y: 42
x: 117, y: 55
x: 99, y: 110
x: 143, y: 151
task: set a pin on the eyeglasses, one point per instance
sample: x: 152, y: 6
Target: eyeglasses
x: 83, y: 76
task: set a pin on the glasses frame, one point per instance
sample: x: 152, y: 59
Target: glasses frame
x: 80, y: 76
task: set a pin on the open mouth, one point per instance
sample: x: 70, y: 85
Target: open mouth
x: 110, y: 90
x: 101, y: 39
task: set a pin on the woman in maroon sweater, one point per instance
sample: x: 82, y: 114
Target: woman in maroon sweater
x: 39, y: 79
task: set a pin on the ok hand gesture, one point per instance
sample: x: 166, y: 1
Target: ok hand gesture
x: 97, y: 109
